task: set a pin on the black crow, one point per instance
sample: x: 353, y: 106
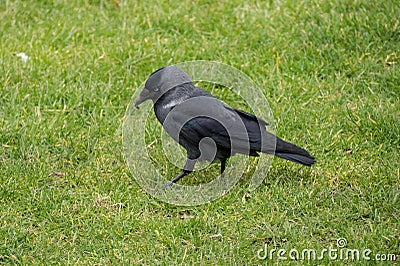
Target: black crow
x: 206, y: 127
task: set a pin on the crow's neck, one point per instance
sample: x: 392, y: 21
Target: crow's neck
x: 172, y: 98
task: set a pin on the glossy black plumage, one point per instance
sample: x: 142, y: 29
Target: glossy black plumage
x: 206, y: 127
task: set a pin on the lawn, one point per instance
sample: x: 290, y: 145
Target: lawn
x: 330, y: 71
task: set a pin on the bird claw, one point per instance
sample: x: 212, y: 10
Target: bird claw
x: 164, y: 188
x: 167, y: 185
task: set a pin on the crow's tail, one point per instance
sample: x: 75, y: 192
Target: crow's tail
x: 293, y: 153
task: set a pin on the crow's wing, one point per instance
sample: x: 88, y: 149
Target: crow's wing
x: 243, y: 114
x: 197, y: 118
x: 248, y: 116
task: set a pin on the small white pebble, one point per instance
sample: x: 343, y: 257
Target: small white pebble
x: 216, y: 236
x: 23, y: 56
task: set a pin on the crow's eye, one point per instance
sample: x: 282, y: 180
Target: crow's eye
x: 155, y: 89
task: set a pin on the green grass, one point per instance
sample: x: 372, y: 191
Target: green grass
x: 329, y: 69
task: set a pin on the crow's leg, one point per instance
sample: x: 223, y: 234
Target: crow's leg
x: 187, y: 169
x: 223, y: 163
x: 176, y: 178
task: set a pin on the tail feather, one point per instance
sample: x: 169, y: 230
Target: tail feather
x: 301, y: 159
x: 293, y: 153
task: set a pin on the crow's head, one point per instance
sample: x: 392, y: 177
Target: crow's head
x: 161, y: 81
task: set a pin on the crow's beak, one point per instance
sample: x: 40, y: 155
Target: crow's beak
x: 144, y: 95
